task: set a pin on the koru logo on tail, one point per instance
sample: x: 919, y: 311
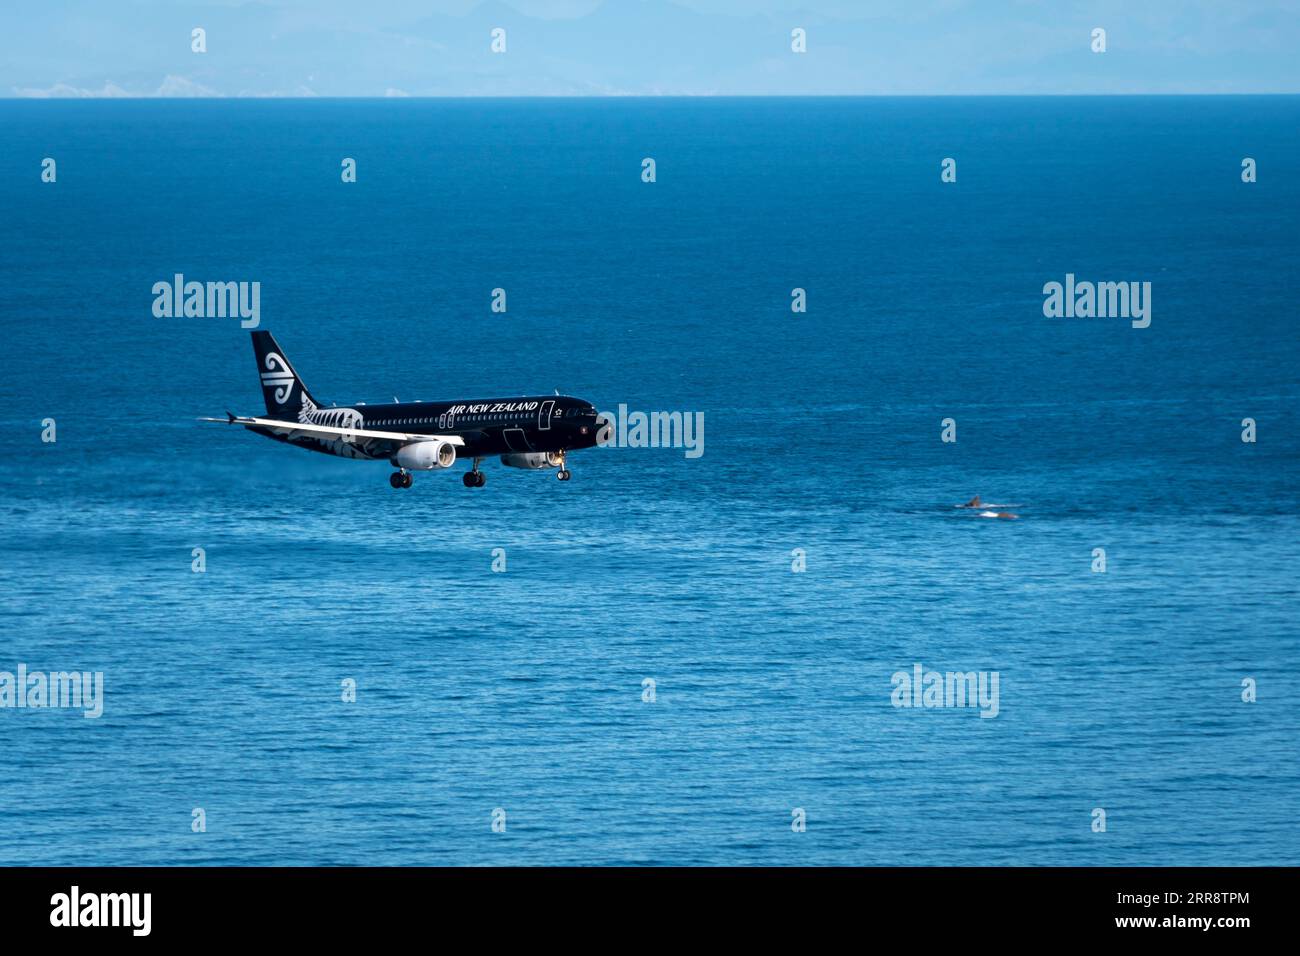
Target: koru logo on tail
x: 279, y: 377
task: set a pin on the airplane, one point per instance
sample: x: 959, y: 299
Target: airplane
x: 531, y: 432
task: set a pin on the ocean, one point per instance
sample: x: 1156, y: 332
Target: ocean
x: 687, y: 660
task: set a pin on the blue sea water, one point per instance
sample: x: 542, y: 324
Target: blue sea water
x: 523, y: 690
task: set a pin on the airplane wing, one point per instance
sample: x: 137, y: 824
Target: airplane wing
x: 332, y: 432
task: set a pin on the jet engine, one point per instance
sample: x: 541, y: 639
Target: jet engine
x: 536, y: 459
x: 425, y: 455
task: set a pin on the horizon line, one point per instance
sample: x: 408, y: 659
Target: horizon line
x: 638, y: 96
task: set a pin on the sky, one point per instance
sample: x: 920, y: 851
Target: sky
x: 102, y: 48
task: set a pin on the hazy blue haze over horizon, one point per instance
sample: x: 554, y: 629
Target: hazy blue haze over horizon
x: 92, y: 48
x: 523, y: 690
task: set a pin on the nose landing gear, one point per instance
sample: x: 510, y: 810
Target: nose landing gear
x: 563, y: 474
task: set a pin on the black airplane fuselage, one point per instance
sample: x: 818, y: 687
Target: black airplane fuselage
x: 532, y: 432
x: 488, y: 426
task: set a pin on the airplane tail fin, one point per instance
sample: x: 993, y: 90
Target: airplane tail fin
x: 283, y: 390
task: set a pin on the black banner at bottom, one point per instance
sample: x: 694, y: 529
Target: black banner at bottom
x: 338, y: 905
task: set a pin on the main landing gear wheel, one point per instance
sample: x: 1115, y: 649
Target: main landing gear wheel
x: 474, y: 479
x: 564, y: 474
x: 400, y: 479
